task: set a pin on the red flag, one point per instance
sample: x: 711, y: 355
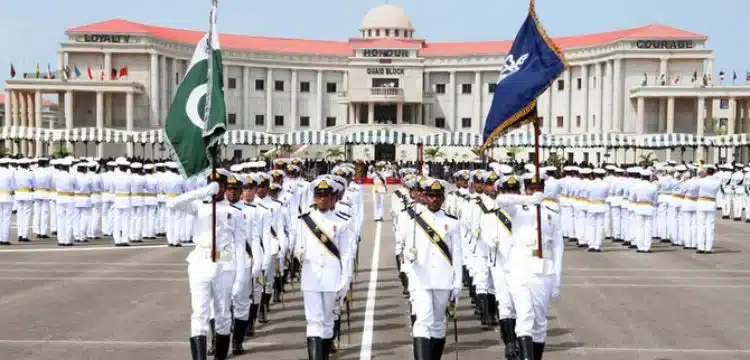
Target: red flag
x: 88, y: 71
x: 124, y: 71
x: 677, y: 80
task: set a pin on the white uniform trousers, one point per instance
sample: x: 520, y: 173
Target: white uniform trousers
x: 319, y: 313
x: 240, y: 292
x: 23, y: 217
x: 161, y: 226
x: 687, y: 219
x: 173, y: 226
x: 596, y: 229
x: 480, y: 275
x: 378, y: 205
x: 566, y: 212
x: 120, y: 225
x: 738, y: 203
x: 53, y: 216
x: 136, y: 222
x: 41, y: 217
x: 747, y: 207
x: 186, y: 227
x: 257, y: 290
x: 65, y: 221
x: 271, y: 273
x: 94, y: 221
x: 661, y: 222
x: 616, y: 221
x: 705, y: 230
x: 6, y: 214
x: 81, y: 222
x: 580, y: 225
x: 726, y: 204
x: 672, y: 221
x: 505, y: 308
x: 531, y: 299
x: 429, y: 306
x: 643, y: 229
x: 210, y: 295
x: 627, y: 226
x: 150, y: 221
x: 607, y: 231
x: 106, y: 219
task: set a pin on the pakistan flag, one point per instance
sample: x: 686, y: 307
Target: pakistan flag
x: 197, y: 117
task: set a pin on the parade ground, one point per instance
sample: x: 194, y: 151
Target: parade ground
x: 96, y: 301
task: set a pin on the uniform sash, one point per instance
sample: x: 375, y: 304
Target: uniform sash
x: 432, y: 234
x: 321, y: 236
x: 504, y: 219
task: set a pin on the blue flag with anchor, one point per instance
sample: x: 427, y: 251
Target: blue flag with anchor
x: 532, y: 64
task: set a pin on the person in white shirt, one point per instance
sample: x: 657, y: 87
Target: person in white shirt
x: 705, y: 206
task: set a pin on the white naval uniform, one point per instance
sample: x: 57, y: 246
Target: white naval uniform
x: 533, y: 281
x: 324, y: 276
x: 43, y: 182
x: 597, y: 212
x: 433, y: 277
x: 746, y: 205
x: 689, y: 227
x: 95, y: 219
x: 726, y: 193
x: 665, y: 195
x: 705, y: 206
x: 248, y: 263
x: 7, y: 185
x: 137, y: 206
x: 174, y: 186
x: 24, y: 198
x: 107, y: 198
x: 150, y: 206
x: 497, y: 228
x: 120, y: 188
x: 263, y: 259
x: 65, y: 186
x: 615, y: 200
x: 278, y: 239
x: 644, y: 208
x: 738, y: 194
x: 82, y: 206
x: 378, y: 196
x: 211, y: 282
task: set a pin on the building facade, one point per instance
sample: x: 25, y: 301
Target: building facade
x: 650, y: 79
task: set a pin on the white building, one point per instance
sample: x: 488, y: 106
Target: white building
x: 387, y: 76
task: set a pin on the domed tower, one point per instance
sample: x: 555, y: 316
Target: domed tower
x: 386, y: 21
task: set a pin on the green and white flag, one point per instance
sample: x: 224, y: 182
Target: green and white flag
x: 197, y: 117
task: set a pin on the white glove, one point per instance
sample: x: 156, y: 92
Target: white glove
x: 556, y: 292
x: 455, y: 293
x: 211, y: 189
x: 411, y: 255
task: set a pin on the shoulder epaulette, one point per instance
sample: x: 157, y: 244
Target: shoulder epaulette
x: 235, y: 206
x: 263, y: 206
x: 206, y: 201
x: 342, y: 216
x: 451, y: 216
x: 249, y: 204
x: 278, y: 201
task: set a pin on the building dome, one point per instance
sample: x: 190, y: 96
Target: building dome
x: 386, y: 19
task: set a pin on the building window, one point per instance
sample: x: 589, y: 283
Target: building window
x: 330, y: 88
x: 330, y: 121
x: 440, y: 122
x: 579, y: 83
x: 304, y: 87
x: 304, y: 121
x: 279, y: 85
x: 560, y: 85
x: 466, y: 122
x: 491, y: 88
x: 578, y: 120
x: 232, y: 83
x: 177, y: 78
x: 440, y: 88
x: 387, y: 32
x: 232, y: 118
x: 593, y: 120
x: 559, y: 121
x: 260, y: 120
x: 278, y: 120
x: 377, y: 32
x: 369, y: 32
x: 260, y: 84
x: 396, y: 33
x: 237, y: 154
x: 586, y: 157
x: 465, y: 88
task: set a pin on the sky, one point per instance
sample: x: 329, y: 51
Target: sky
x: 34, y: 28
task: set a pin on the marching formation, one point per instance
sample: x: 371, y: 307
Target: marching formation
x: 270, y: 228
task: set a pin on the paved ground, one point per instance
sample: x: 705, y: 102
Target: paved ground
x: 99, y: 302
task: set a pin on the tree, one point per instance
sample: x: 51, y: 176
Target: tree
x: 433, y: 153
x: 713, y: 126
x: 61, y: 153
x: 555, y: 160
x: 647, y: 159
x: 477, y: 151
x: 335, y: 153
x: 512, y: 152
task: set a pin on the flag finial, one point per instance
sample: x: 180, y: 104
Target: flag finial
x: 531, y: 5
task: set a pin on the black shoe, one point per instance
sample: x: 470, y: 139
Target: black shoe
x: 538, y: 350
x: 250, y: 331
x: 526, y: 348
x: 336, y: 331
x: 327, y: 344
x: 265, y: 299
x: 508, y: 335
x: 413, y: 318
x: 699, y: 251
x: 238, y: 336
x: 222, y: 347
x: 277, y: 289
x: 422, y: 348
x: 314, y: 348
x: 212, y: 328
x: 198, y: 347
x: 438, y: 345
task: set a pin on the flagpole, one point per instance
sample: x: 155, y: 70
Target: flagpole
x: 213, y: 151
x: 537, y: 154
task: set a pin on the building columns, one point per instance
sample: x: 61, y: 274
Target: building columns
x: 107, y: 66
x: 568, y: 122
x: 38, y: 102
x: 452, y: 118
x: 663, y: 70
x: 617, y: 123
x: 154, y: 93
x: 69, y: 116
x: 319, y: 98
x: 129, y: 120
x: 99, y: 120
x: 246, y: 121
x: 670, y: 122
x: 164, y: 100
x: 295, y: 102
x: 600, y: 98
x: 640, y: 115
x: 700, y: 125
x: 370, y: 113
x: 731, y: 126
x: 585, y: 87
x: 477, y: 122
x: 269, y: 99
x: 399, y: 113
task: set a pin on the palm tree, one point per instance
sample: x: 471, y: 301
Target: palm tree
x: 433, y: 153
x: 335, y: 153
x: 555, y: 160
x: 512, y: 152
x: 477, y: 151
x: 647, y: 159
x: 713, y: 126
